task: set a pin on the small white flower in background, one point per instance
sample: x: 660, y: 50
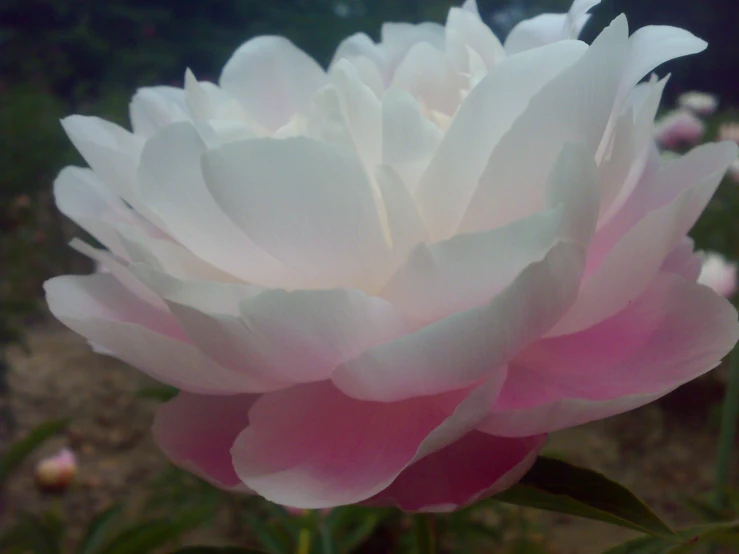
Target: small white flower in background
x: 55, y: 473
x: 729, y: 131
x: 733, y: 171
x: 678, y: 128
x: 701, y: 103
x: 719, y: 274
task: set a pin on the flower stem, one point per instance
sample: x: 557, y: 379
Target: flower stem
x: 425, y: 535
x: 729, y: 416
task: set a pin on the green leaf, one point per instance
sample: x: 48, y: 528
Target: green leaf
x: 99, y: 529
x: 144, y: 537
x: 33, y: 534
x: 269, y: 538
x: 163, y: 393
x: 216, y: 550
x: 18, y: 451
x: 557, y: 486
x: 724, y: 534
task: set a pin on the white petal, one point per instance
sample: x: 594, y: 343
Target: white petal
x: 428, y: 75
x: 172, y: 185
x: 409, y: 140
x: 272, y: 79
x: 112, y: 152
x: 485, y: 116
x: 573, y: 107
x: 307, y: 203
x: 549, y: 27
x: 155, y: 107
x: 467, y: 26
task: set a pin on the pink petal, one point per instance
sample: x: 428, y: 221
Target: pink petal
x: 275, y: 335
x: 674, y: 332
x: 196, y: 432
x: 468, y: 346
x: 103, y: 311
x: 313, y: 447
x: 683, y: 261
x: 470, y: 469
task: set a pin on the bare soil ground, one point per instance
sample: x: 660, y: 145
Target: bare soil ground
x: 664, y: 451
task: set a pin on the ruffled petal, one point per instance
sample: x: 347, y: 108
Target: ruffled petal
x: 313, y: 447
x: 674, y: 332
x: 468, y: 470
x: 103, y: 311
x: 196, y: 432
x: 274, y: 335
x: 468, y: 346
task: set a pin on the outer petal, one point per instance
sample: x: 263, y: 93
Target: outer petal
x: 683, y: 261
x: 155, y: 107
x: 276, y: 335
x: 676, y: 331
x: 103, y: 311
x: 466, y: 347
x: 476, y: 466
x: 83, y: 198
x: 272, y: 79
x: 313, y: 447
x: 112, y: 152
x: 196, y: 432
x: 307, y: 203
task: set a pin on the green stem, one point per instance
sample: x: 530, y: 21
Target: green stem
x: 729, y: 415
x: 425, y: 535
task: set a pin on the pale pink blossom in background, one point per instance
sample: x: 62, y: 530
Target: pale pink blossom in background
x: 55, y: 473
x: 733, y: 172
x: 677, y: 129
x: 719, y: 274
x: 386, y: 282
x: 700, y: 103
x: 729, y: 131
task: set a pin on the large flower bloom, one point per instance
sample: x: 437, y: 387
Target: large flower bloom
x: 388, y: 281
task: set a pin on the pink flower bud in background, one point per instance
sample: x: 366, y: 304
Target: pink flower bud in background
x: 719, y: 274
x: 55, y: 473
x: 729, y: 131
x: 701, y: 103
x: 678, y: 128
